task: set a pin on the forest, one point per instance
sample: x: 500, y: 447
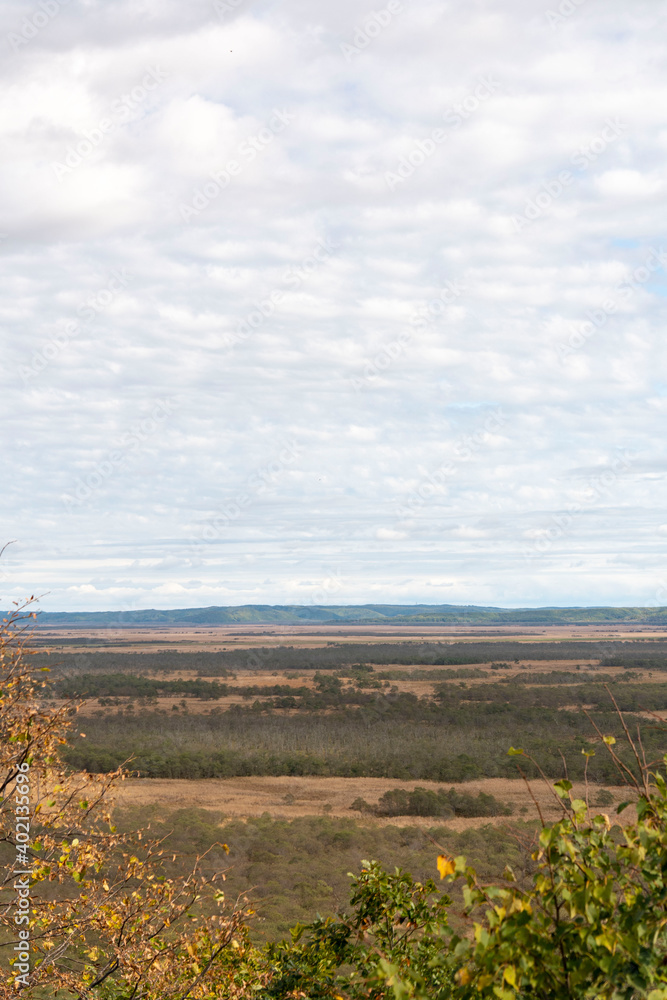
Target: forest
x: 355, y: 721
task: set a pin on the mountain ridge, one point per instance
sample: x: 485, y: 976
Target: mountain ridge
x: 352, y: 614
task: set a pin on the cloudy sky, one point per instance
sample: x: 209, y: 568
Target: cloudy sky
x: 316, y: 302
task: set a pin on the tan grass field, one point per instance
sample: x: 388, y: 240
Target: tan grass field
x: 213, y: 638
x: 288, y: 798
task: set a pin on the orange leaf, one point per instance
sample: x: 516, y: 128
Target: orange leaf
x: 446, y: 865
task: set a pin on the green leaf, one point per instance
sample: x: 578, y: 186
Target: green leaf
x: 562, y: 788
x: 514, y: 752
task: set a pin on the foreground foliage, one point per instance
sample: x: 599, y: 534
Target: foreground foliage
x: 396, y: 932
x: 98, y: 914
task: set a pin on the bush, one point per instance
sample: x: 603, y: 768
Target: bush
x: 428, y: 802
x: 604, y: 798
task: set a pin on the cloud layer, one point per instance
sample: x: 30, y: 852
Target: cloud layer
x: 307, y: 302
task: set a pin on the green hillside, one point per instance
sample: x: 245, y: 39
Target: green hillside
x: 367, y: 614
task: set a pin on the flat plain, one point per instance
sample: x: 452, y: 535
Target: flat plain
x: 260, y: 684
x: 289, y: 743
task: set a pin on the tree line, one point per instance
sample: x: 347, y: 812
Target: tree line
x: 340, y: 655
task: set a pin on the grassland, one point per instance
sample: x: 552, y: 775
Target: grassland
x: 269, y: 740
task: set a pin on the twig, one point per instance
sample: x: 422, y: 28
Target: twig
x: 544, y: 779
x: 647, y: 791
x: 6, y: 545
x: 620, y: 766
x: 530, y: 792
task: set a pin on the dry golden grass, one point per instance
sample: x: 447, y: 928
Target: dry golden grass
x: 289, y: 798
x: 244, y: 636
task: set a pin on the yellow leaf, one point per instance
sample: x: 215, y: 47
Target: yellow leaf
x: 509, y: 975
x: 463, y: 976
x: 446, y: 865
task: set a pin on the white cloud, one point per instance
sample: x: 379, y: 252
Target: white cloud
x: 628, y: 184
x: 360, y: 363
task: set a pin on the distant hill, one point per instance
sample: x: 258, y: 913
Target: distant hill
x: 353, y: 614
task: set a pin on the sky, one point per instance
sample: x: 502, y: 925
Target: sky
x: 327, y: 303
